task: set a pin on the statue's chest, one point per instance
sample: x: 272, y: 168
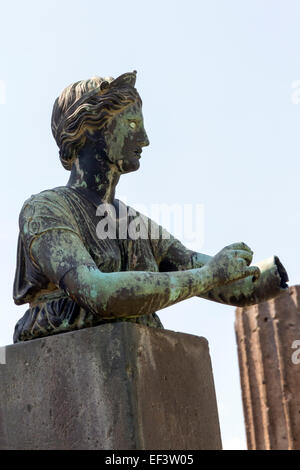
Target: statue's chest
x: 112, y: 254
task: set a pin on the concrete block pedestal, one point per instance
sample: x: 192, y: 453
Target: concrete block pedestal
x: 118, y: 386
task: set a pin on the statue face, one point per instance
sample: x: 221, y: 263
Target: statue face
x: 125, y: 137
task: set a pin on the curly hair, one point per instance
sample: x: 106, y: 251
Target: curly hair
x: 86, y: 106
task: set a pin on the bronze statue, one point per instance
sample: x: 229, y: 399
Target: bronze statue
x: 71, y: 277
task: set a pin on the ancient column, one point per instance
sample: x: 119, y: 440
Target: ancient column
x: 119, y: 386
x: 268, y: 340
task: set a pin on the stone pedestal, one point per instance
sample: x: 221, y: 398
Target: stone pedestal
x: 117, y: 386
x: 268, y: 339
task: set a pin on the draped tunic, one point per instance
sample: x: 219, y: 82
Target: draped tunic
x: 51, y: 309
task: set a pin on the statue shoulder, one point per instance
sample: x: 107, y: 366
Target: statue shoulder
x: 45, y: 196
x: 45, y: 210
x: 46, y: 200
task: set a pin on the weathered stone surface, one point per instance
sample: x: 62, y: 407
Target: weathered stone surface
x: 116, y: 386
x: 270, y: 378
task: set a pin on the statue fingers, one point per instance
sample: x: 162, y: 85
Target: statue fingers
x: 243, y: 254
x: 253, y: 271
x: 239, y: 246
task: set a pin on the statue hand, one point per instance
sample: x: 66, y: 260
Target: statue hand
x: 232, y: 263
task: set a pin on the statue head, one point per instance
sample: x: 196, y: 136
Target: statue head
x: 97, y: 107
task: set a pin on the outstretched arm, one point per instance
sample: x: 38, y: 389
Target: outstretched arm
x: 65, y: 261
x: 272, y: 282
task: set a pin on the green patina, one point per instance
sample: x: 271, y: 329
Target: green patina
x: 70, y: 277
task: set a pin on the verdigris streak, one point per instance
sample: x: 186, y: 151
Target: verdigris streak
x: 71, y: 278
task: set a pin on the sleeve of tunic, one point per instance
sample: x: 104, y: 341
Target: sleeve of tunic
x: 39, y: 214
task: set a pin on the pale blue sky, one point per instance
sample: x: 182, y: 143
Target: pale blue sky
x: 216, y: 80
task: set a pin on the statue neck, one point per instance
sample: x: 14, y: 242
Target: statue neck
x: 94, y: 175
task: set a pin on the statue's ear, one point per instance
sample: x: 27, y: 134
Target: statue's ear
x: 123, y: 80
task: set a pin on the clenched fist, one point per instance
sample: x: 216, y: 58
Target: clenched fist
x: 232, y: 263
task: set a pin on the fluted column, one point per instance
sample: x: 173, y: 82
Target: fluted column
x: 268, y: 340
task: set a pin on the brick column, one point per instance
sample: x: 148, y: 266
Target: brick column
x: 270, y: 371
